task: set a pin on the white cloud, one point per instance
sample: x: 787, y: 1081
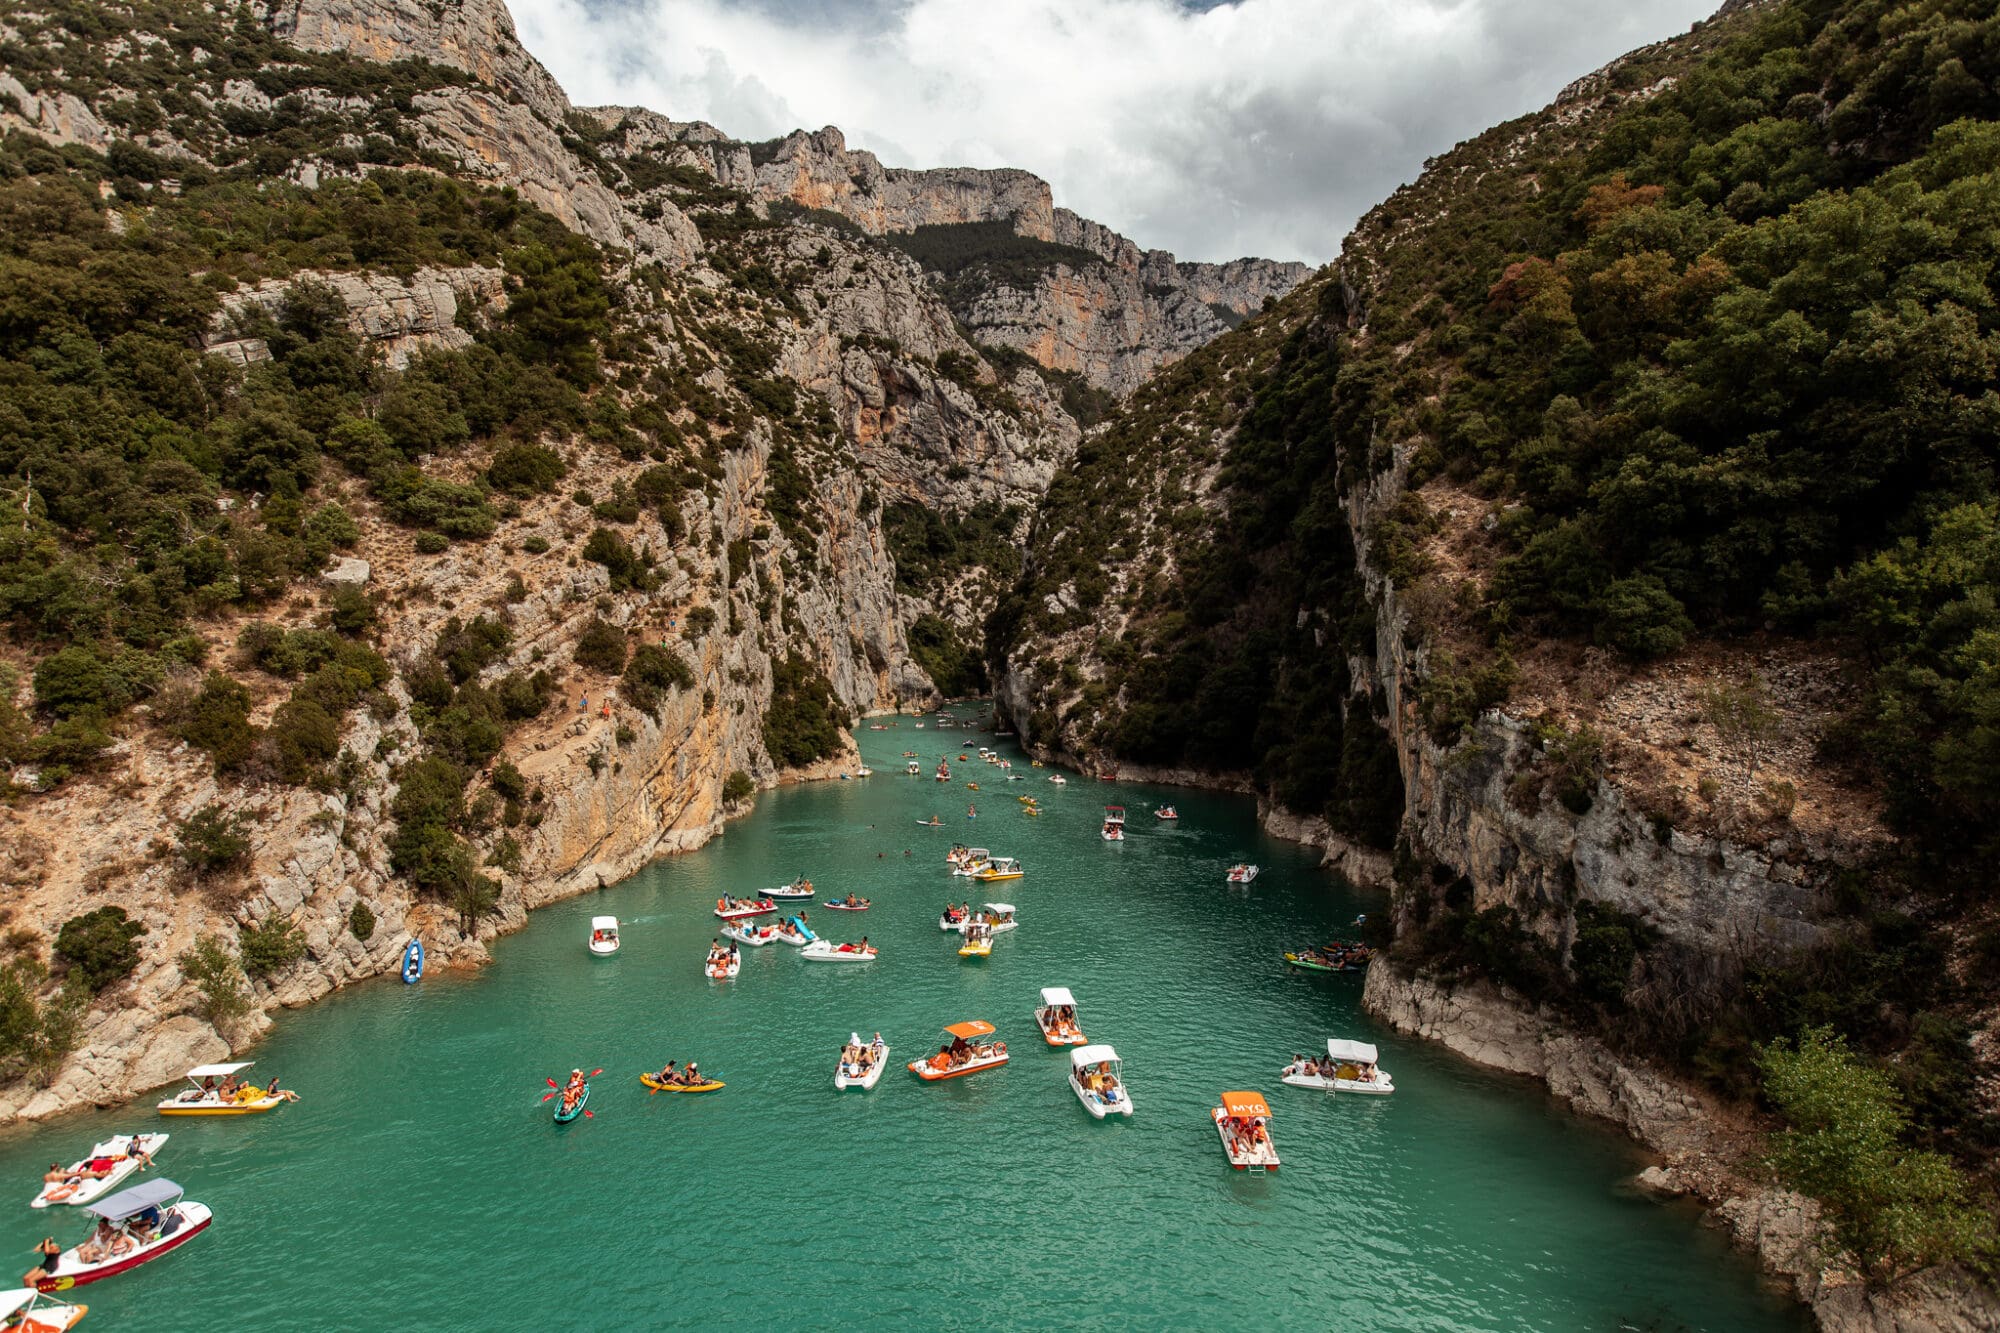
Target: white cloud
x: 1256, y: 127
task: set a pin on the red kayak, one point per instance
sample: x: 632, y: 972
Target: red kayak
x: 738, y: 913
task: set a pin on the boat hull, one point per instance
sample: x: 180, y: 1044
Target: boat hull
x: 923, y: 1070
x: 847, y: 907
x: 198, y: 1217
x: 1264, y: 1158
x: 1381, y: 1087
x: 724, y: 972
x: 864, y: 1082
x: 1097, y: 1106
x: 90, y: 1190
x: 756, y: 939
x: 745, y: 913
x: 256, y: 1107
x: 656, y: 1086
x: 1051, y: 1038
x: 820, y: 951
x: 564, y: 1117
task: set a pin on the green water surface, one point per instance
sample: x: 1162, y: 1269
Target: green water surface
x: 422, y: 1184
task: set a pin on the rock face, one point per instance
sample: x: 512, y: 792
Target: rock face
x: 1113, y: 322
x: 400, y: 317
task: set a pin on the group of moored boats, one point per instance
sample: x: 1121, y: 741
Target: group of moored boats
x: 134, y: 1225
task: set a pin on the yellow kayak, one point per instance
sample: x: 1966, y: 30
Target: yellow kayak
x: 657, y: 1086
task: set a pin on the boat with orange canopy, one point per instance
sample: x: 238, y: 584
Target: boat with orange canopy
x: 964, y: 1054
x: 1243, y: 1123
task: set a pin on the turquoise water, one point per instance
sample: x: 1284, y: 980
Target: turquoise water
x: 421, y: 1179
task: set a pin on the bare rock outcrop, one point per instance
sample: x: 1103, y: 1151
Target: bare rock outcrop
x: 400, y: 316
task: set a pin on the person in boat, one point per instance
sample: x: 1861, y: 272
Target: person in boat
x: 284, y: 1094
x: 668, y: 1073
x: 144, y: 1229
x: 47, y: 1255
x: 56, y: 1174
x: 694, y: 1078
x: 227, y: 1092
x: 573, y: 1089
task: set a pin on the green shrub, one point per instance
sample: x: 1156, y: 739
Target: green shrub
x: 1894, y: 1206
x: 507, y: 780
x: 601, y: 647
x: 212, y: 968
x: 525, y: 469
x: 218, y: 722
x: 211, y: 839
x: 432, y: 543
x: 361, y: 921
x: 803, y: 721
x: 651, y: 672
x: 270, y: 946
x: 100, y: 946
x: 737, y: 787
x: 698, y: 621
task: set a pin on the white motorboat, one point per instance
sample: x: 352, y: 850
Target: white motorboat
x: 1242, y: 874
x: 1057, y: 1017
x: 604, y: 935
x: 864, y: 772
x: 145, y: 1222
x: 1114, y: 823
x: 971, y: 862
x: 799, y: 890
x: 1242, y: 1122
x: 108, y: 1164
x: 722, y: 964
x: 998, y: 869
x: 1059, y: 780
x: 861, y: 1065
x: 1350, y: 1066
x: 28, y: 1310
x: 756, y: 936
x: 913, y: 768
x: 206, y: 1098
x: 826, y: 951
x: 1094, y: 1078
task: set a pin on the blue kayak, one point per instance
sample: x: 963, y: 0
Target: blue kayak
x: 564, y: 1117
x: 413, y: 962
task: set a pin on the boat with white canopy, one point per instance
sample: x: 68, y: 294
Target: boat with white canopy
x: 1057, y: 1017
x: 999, y: 868
x: 1114, y: 823
x: 207, y: 1096
x: 604, y: 936
x: 1350, y: 1066
x: 107, y: 1166
x: 143, y: 1223
x: 29, y: 1311
x: 861, y: 1063
x: 1243, y: 1124
x: 998, y: 916
x: 1094, y: 1076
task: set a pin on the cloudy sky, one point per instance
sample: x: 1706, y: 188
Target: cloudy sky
x: 1260, y: 127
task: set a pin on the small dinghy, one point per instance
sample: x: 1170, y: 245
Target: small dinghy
x: 849, y: 904
x: 1243, y: 874
x: 603, y: 936
x: 795, y: 932
x: 1094, y: 1078
x: 1057, y: 1017
x: 413, y: 962
x: 860, y: 1066
x: 799, y: 890
x: 963, y: 1054
x: 826, y: 951
x: 746, y: 932
x: 1242, y: 1122
x: 1350, y: 1066
x: 206, y: 1097
x: 1166, y: 813
x: 741, y: 909
x: 107, y: 1166
x: 144, y: 1222
x: 29, y: 1311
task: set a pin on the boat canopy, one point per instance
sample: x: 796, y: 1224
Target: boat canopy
x: 218, y: 1071
x: 1053, y: 995
x: 13, y: 1302
x: 1091, y: 1055
x: 1359, y: 1052
x: 1114, y: 809
x: 972, y: 1027
x: 604, y: 923
x: 130, y: 1203
x: 1242, y: 1103
x: 1004, y: 909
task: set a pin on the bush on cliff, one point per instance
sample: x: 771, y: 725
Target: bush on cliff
x: 100, y: 947
x: 1895, y: 1207
x: 738, y: 786
x: 803, y: 721
x: 270, y: 946
x: 217, y: 975
x: 652, y: 672
x: 212, y: 840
